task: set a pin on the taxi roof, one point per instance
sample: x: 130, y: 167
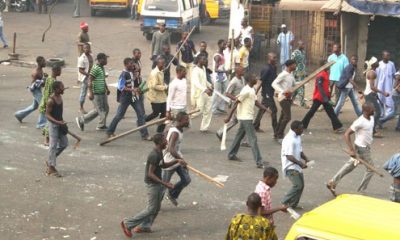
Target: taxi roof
x: 354, y: 217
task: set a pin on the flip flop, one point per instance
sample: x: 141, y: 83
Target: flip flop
x: 126, y: 230
x: 331, y: 189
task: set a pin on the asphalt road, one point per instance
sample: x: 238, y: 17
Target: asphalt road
x: 102, y: 185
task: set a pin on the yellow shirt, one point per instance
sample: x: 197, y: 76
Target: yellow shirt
x: 157, y: 88
x: 247, y: 227
x: 244, y: 56
x: 247, y: 98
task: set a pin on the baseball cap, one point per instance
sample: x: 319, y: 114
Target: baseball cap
x: 84, y: 25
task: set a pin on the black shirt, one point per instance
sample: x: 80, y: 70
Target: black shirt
x: 187, y: 51
x: 155, y: 158
x: 268, y: 75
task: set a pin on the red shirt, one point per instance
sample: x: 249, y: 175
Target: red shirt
x: 322, y: 83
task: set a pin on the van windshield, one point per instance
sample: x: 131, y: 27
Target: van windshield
x: 162, y: 5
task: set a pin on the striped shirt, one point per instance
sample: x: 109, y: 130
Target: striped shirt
x: 99, y: 82
x: 264, y: 191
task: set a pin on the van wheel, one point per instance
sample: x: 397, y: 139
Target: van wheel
x: 149, y: 36
x: 198, y: 27
x: 92, y: 12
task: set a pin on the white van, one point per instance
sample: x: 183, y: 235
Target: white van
x: 178, y: 15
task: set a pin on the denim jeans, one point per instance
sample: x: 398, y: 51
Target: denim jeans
x: 145, y: 218
x: 57, y: 143
x: 179, y: 186
x: 101, y: 108
x: 2, y: 38
x: 292, y: 197
x: 365, y: 154
x: 246, y: 128
x: 37, y: 97
x: 268, y: 102
x: 342, y: 98
x: 84, y: 87
x: 336, y: 124
x: 138, y: 106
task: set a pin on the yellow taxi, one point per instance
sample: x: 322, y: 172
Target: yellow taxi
x: 349, y: 217
x: 110, y: 5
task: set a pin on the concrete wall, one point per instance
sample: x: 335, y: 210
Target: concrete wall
x: 355, y: 39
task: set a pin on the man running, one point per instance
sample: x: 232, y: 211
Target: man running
x: 38, y: 79
x: 363, y: 130
x: 173, y: 152
x: 143, y: 221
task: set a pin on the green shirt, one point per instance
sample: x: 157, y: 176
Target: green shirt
x: 48, y: 90
x: 99, y: 82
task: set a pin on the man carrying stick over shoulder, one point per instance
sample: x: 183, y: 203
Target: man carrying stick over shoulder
x: 173, y: 152
x: 363, y: 129
x: 155, y: 189
x: 245, y: 114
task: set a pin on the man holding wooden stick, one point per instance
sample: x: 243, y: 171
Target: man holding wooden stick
x: 363, y: 129
x: 173, y: 152
x: 245, y: 114
x: 283, y: 84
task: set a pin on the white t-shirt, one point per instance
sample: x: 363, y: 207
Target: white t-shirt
x: 177, y: 91
x: 364, y: 130
x: 227, y: 56
x: 291, y: 145
x: 83, y: 62
x: 283, y: 82
x: 247, y: 98
x: 246, y: 33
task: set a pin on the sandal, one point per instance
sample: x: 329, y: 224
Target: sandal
x: 331, y: 189
x: 53, y: 174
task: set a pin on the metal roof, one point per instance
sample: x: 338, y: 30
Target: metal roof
x: 333, y: 5
x: 302, y: 5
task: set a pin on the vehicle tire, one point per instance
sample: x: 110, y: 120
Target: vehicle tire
x: 54, y: 62
x: 148, y: 36
x: 2, y: 5
x: 198, y: 27
x: 212, y: 20
x: 92, y: 12
x: 20, y: 6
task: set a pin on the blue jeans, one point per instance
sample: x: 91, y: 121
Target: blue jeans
x: 2, y: 38
x: 37, y: 97
x: 84, y: 87
x: 138, y: 106
x: 352, y: 95
x: 179, y: 186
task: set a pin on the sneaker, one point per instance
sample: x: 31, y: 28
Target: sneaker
x: 173, y: 200
x: 259, y: 130
x: 147, y: 138
x: 234, y: 158
x: 102, y: 128
x: 80, y: 123
x: 378, y: 135
x: 219, y: 136
x: 19, y: 120
x: 260, y: 165
x: 111, y: 135
x: 338, y: 131
x: 245, y: 144
x: 5, y: 46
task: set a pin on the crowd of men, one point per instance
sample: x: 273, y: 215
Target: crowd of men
x: 213, y: 89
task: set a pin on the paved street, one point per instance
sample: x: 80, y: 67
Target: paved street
x: 102, y: 185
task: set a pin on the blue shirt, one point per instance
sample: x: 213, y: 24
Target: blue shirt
x: 337, y: 68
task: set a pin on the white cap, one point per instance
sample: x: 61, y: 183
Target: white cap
x: 371, y: 61
x: 283, y: 25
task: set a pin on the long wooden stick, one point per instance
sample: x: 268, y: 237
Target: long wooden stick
x: 205, y: 176
x: 78, y: 139
x: 158, y: 121
x: 307, y: 79
x: 179, y: 49
x: 365, y: 163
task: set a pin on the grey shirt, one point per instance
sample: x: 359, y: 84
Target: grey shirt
x: 235, y: 86
x: 159, y: 39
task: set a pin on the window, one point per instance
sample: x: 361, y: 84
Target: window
x: 186, y: 4
x: 162, y: 5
